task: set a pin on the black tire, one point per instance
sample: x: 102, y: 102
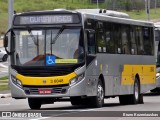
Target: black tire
x: 98, y: 101
x: 4, y: 59
x: 135, y: 98
x: 141, y: 99
x: 75, y: 100
x: 34, y: 103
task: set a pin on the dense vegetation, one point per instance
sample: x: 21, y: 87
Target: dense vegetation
x: 31, y: 5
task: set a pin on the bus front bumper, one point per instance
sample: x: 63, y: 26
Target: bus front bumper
x: 77, y: 89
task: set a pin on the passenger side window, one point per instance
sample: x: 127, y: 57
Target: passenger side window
x: 117, y: 38
x: 147, y: 41
x: 105, y: 41
x: 139, y: 41
x: 101, y: 42
x: 91, y: 42
x: 109, y: 38
x: 133, y: 41
x: 125, y: 40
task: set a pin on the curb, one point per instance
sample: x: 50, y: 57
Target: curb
x: 5, y: 95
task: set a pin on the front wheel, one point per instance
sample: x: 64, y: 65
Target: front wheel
x: 98, y: 100
x: 135, y: 98
x: 34, y: 103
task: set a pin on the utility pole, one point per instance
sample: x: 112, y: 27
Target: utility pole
x: 155, y: 5
x: 97, y: 4
x: 10, y: 18
x: 10, y: 12
x: 147, y: 6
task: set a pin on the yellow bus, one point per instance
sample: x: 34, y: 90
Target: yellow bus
x: 83, y: 55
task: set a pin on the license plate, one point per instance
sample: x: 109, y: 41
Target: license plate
x: 45, y: 91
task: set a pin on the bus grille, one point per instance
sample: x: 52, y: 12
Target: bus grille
x: 34, y: 91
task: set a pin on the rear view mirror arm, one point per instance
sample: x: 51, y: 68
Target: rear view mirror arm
x: 5, y: 42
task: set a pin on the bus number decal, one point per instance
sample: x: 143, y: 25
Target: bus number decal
x: 58, y: 80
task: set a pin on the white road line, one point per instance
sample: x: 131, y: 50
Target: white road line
x: 4, y: 66
x: 4, y: 71
x: 80, y: 110
x: 5, y: 104
x: 42, y: 118
x: 72, y: 111
x: 6, y: 118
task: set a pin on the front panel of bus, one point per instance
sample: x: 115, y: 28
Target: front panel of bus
x: 48, y: 58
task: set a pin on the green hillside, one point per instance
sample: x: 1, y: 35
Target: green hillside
x: 32, y: 5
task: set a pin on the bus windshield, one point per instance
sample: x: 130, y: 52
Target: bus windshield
x: 48, y: 47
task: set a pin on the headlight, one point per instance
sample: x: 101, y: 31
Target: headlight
x: 16, y: 81
x: 157, y: 75
x: 76, y: 79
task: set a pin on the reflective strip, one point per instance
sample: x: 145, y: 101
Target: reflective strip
x: 56, y: 80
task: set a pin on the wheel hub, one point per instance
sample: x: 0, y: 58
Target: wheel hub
x: 100, y: 93
x: 136, y: 91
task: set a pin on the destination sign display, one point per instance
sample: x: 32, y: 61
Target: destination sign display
x: 46, y: 19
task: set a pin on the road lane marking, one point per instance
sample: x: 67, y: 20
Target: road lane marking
x: 5, y: 104
x: 4, y: 66
x: 4, y: 71
x: 61, y: 114
x: 40, y: 118
x: 6, y: 118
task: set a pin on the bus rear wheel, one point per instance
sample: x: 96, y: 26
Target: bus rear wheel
x: 34, y: 103
x: 135, y: 98
x: 136, y: 93
x: 98, y: 101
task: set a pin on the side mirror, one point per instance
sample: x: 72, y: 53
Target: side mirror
x: 5, y: 41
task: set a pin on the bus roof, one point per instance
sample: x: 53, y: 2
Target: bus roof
x: 113, y: 16
x: 104, y: 15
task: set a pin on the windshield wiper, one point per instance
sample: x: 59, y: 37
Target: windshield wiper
x: 57, y: 36
x: 32, y: 36
x: 36, y: 41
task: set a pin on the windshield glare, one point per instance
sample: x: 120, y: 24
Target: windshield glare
x: 47, y: 47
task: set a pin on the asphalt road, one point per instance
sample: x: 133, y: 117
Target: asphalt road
x: 3, y: 69
x: 65, y: 111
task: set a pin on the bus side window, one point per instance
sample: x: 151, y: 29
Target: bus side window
x: 133, y: 41
x: 117, y: 38
x: 91, y: 41
x: 139, y: 40
x: 148, y: 45
x: 125, y: 39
